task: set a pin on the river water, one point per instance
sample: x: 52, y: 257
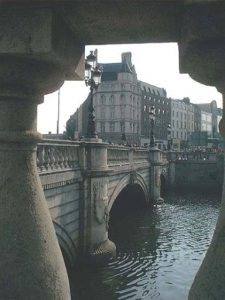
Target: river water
x: 158, y: 252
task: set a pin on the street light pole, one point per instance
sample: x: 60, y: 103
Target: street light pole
x: 152, y: 123
x: 92, y: 79
x: 57, y: 127
x: 168, y: 137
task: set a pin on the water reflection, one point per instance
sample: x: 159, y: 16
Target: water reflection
x: 158, y: 252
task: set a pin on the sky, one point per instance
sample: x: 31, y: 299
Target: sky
x: 156, y: 64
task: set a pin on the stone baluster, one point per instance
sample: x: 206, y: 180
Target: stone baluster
x: 46, y: 157
x: 56, y: 157
x: 33, y: 62
x: 52, y: 157
x: 202, y: 56
x: 40, y: 158
x: 61, y: 157
x: 69, y: 158
x: 66, y: 158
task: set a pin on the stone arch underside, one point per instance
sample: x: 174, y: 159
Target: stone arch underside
x: 124, y: 182
x: 66, y: 244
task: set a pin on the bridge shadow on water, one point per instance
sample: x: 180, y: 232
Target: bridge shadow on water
x: 158, y: 250
x: 135, y: 242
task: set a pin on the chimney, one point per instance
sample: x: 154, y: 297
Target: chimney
x: 126, y: 57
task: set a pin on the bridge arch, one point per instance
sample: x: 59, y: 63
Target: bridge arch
x: 133, y: 178
x: 69, y: 250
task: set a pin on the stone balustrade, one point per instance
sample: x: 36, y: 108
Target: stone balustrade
x: 57, y: 155
x: 140, y: 155
x: 192, y: 156
x: 117, y: 155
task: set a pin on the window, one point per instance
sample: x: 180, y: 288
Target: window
x: 112, y: 127
x: 145, y: 107
x: 102, y: 127
x: 112, y: 99
x: 122, y: 111
x: 103, y: 99
x: 122, y: 127
x: 112, y: 113
x: 102, y: 112
x: 122, y: 99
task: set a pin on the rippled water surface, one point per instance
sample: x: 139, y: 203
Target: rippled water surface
x: 158, y: 252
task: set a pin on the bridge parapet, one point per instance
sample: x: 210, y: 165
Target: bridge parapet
x: 117, y: 155
x: 191, y: 156
x: 53, y: 155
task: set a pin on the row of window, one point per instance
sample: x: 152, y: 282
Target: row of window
x: 117, y: 127
x: 183, y: 125
x: 183, y: 115
x: 112, y: 113
x: 148, y: 89
x: 183, y: 106
x: 112, y: 100
x: 150, y: 98
x: 179, y: 135
x: 158, y: 111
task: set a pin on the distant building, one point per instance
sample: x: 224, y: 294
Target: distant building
x: 117, y: 104
x: 182, y: 120
x: 207, y: 118
x: 122, y: 104
x: 210, y: 118
x: 154, y: 96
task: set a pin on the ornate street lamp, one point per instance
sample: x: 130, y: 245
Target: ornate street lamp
x: 168, y: 137
x: 152, y: 123
x: 93, y: 79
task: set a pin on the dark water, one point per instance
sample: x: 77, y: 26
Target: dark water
x: 158, y: 252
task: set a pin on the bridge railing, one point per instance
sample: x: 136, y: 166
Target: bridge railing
x: 191, y: 156
x: 57, y: 155
x: 140, y: 155
x: 117, y: 155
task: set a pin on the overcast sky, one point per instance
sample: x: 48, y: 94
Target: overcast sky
x: 156, y: 64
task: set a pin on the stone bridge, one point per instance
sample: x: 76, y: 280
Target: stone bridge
x: 42, y: 45
x: 81, y: 182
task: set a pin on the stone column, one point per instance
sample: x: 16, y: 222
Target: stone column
x: 209, y: 281
x: 155, y: 172
x: 202, y: 56
x: 33, y: 62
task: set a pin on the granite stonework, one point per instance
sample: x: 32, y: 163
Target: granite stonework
x: 42, y: 44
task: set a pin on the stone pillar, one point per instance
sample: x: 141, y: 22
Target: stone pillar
x: 99, y: 247
x: 209, y: 281
x: 155, y: 172
x: 32, y: 63
x: 172, y: 169
x: 202, y: 56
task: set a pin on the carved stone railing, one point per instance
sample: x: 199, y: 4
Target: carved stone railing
x: 117, y: 155
x: 140, y: 155
x: 56, y: 155
x: 195, y: 156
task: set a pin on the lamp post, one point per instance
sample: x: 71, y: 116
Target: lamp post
x: 93, y: 79
x: 168, y: 137
x: 152, y: 123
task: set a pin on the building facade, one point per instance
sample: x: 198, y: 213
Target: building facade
x: 182, y: 121
x: 153, y: 96
x: 122, y: 105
